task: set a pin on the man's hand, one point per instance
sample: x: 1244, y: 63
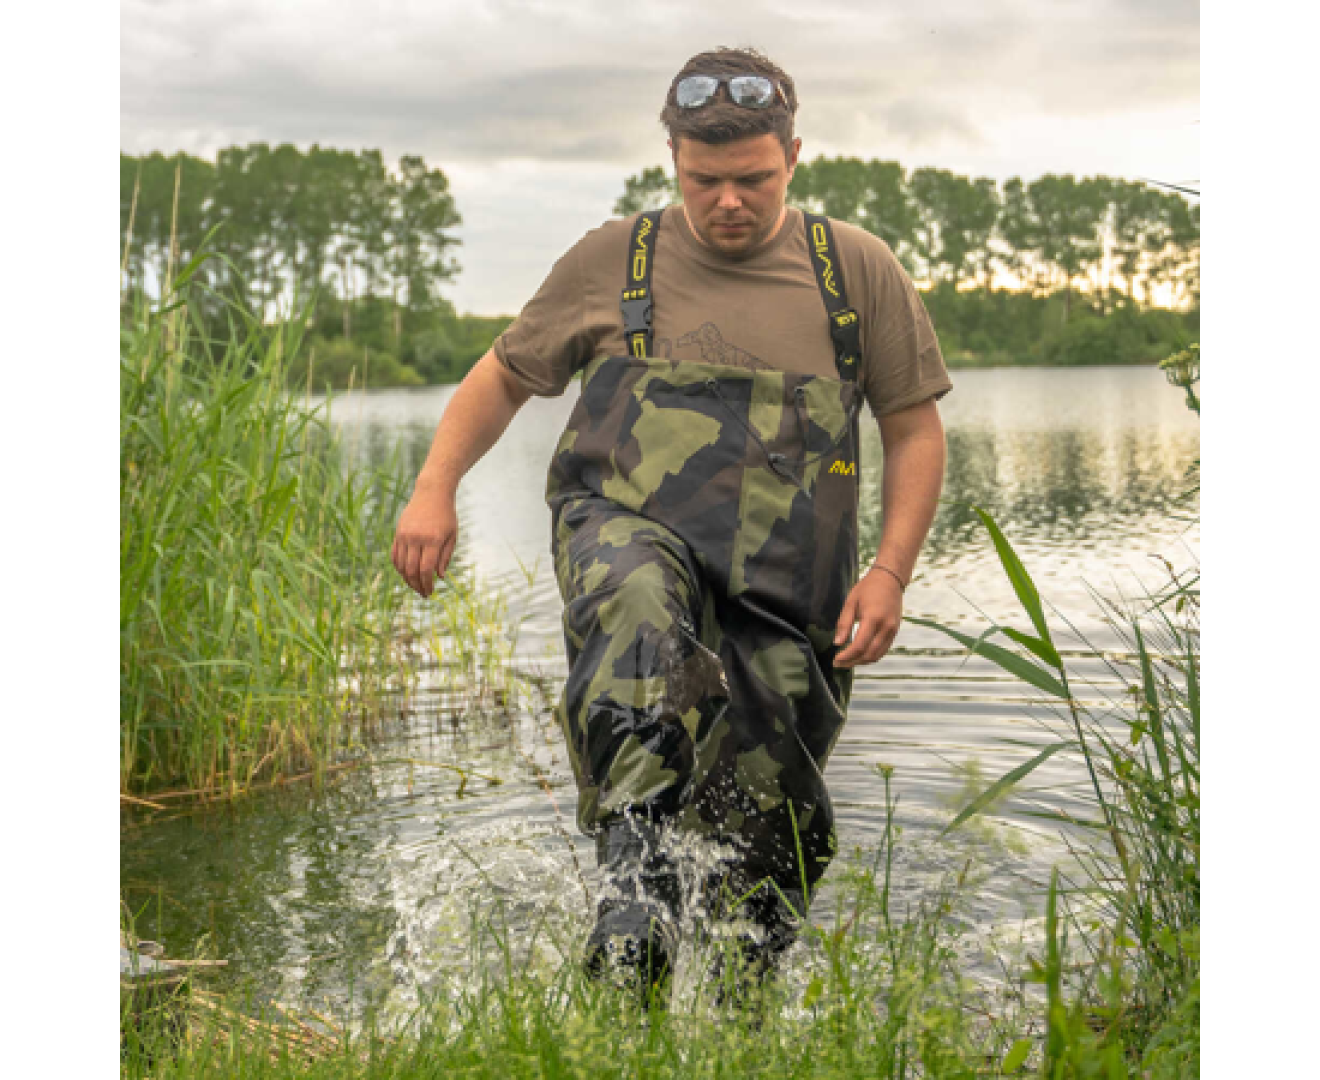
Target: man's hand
x: 425, y: 538
x: 876, y: 606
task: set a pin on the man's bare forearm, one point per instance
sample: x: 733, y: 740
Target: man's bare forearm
x: 473, y: 421
x: 910, y: 487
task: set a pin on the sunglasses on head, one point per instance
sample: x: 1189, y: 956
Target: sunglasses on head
x: 749, y: 91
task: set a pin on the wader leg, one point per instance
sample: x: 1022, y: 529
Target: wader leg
x: 759, y: 780
x: 759, y: 920
x: 684, y: 706
x: 641, y: 693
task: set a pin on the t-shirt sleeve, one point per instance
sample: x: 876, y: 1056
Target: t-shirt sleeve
x: 549, y: 340
x: 901, y: 361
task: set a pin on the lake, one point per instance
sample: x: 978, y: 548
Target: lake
x: 363, y: 891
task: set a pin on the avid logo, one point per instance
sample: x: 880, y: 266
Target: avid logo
x: 639, y: 254
x: 842, y: 468
x: 822, y: 245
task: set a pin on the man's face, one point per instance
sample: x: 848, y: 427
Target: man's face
x: 734, y: 193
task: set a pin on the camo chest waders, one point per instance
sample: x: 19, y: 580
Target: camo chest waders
x: 705, y: 540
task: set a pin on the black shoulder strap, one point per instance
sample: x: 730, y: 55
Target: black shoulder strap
x: 844, y: 328
x: 636, y: 301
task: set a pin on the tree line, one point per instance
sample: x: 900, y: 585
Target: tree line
x: 1087, y: 258
x: 375, y: 246
x: 1055, y: 232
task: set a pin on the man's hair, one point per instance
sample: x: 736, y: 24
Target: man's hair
x: 720, y: 120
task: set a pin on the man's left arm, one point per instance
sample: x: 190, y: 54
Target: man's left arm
x: 914, y: 455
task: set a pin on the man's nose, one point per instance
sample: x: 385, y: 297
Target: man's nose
x: 729, y: 199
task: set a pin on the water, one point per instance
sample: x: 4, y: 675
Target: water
x: 364, y: 891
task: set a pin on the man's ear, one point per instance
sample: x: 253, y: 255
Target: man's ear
x: 793, y: 153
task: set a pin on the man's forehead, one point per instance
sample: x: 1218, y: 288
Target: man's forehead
x: 742, y: 156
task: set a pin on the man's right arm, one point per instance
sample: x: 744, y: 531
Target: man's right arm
x: 476, y: 416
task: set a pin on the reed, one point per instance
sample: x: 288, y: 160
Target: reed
x: 259, y: 615
x: 263, y: 631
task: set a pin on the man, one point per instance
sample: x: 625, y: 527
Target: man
x: 704, y: 499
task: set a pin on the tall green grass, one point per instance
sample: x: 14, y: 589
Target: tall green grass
x: 257, y: 604
x: 1136, y: 908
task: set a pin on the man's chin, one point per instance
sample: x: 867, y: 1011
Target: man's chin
x: 733, y: 244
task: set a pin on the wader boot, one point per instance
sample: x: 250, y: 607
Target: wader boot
x: 760, y: 922
x: 705, y: 540
x: 635, y: 940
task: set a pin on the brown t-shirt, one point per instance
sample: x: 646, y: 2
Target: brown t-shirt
x: 762, y: 312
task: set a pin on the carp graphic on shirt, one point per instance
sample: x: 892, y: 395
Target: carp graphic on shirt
x: 715, y: 350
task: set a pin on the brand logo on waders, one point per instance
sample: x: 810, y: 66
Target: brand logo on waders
x: 822, y: 245
x: 842, y: 468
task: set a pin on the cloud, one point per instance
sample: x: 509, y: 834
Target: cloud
x: 537, y: 110
x: 584, y: 80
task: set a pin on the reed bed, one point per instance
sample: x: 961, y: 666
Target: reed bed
x: 256, y: 609
x: 264, y: 635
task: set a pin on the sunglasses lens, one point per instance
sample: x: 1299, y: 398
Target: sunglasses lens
x: 696, y: 90
x: 754, y: 91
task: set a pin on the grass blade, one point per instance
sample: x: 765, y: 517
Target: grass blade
x: 1009, y: 661
x: 1025, y: 588
x: 1003, y: 784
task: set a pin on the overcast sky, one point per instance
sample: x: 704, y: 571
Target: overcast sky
x: 538, y: 110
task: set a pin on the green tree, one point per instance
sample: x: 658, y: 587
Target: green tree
x: 956, y: 217
x: 871, y: 194
x: 374, y: 194
x: 242, y: 209
x: 1173, y: 245
x: 424, y: 216
x: 1068, y: 215
x: 651, y: 189
x: 313, y: 217
x: 1021, y: 236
